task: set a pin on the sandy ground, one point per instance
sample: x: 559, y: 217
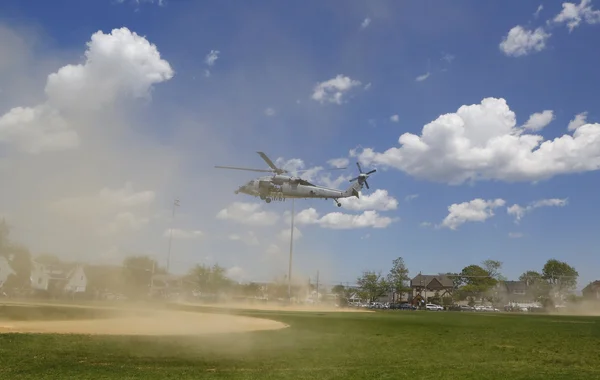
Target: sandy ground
x: 155, y: 323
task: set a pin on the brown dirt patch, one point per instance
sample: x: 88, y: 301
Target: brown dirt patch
x: 156, y: 323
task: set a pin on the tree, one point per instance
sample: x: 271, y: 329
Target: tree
x: 137, y: 274
x: 493, y: 268
x: 372, y: 285
x: 398, y: 277
x: 561, y: 276
x: 210, y: 280
x: 476, y: 280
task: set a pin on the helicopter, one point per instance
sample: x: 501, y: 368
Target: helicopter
x: 280, y: 186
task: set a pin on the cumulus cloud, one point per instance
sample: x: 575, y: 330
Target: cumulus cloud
x: 284, y: 235
x: 578, y: 121
x: 477, y: 210
x: 178, y: 233
x: 378, y: 200
x: 341, y: 221
x: 520, y: 41
x: 117, y: 66
x: 411, y: 197
x: 539, y: 120
x: 519, y: 211
x: 482, y: 142
x: 572, y: 14
x: 395, y: 118
x: 248, y: 238
x: 334, y: 90
x: 248, y: 213
x: 339, y: 162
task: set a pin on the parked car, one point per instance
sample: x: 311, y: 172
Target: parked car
x: 433, y: 307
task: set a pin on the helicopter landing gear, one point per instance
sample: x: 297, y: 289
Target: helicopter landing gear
x: 268, y: 200
x: 338, y: 203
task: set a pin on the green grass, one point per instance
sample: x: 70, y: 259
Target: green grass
x: 382, y: 345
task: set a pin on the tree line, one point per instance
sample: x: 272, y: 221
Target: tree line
x: 475, y: 282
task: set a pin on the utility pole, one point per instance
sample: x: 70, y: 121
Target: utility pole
x: 317, y: 286
x: 175, y: 204
x: 290, y: 259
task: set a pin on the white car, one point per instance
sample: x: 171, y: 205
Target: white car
x: 434, y: 307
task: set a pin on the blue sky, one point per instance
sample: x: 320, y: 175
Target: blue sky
x: 272, y: 55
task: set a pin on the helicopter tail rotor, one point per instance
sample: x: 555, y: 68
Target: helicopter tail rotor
x: 362, y: 177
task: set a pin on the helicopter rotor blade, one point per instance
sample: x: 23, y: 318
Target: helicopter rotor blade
x: 371, y: 172
x: 247, y: 169
x: 359, y: 168
x: 306, y: 170
x: 367, y: 184
x: 269, y: 162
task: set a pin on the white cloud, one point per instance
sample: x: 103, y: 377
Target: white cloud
x: 339, y: 162
x: 395, y: 118
x: 421, y: 78
x: 338, y: 220
x: 410, y: 197
x: 425, y: 224
x: 183, y: 234
x: 333, y: 90
x: 134, y: 66
x: 515, y: 235
x: 538, y: 10
x: 573, y: 14
x: 365, y: 23
x: 520, y: 41
x: 211, y: 58
x: 249, y: 238
x: 539, y: 120
x: 236, y: 273
x: 248, y: 213
x: 482, y: 142
x: 477, y: 210
x: 578, y: 121
x: 519, y: 211
x: 284, y: 235
x: 378, y: 200
x: 269, y: 111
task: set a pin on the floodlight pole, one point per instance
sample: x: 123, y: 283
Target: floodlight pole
x: 175, y: 204
x: 290, y: 259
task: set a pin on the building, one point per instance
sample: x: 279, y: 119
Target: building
x: 425, y: 286
x: 58, y: 279
x: 5, y: 270
x: 592, y: 291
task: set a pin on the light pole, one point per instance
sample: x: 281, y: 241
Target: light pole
x: 175, y: 204
x: 290, y: 260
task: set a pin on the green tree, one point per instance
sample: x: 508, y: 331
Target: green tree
x: 372, y: 285
x: 476, y: 280
x: 398, y: 278
x: 493, y: 268
x: 537, y: 287
x: 210, y: 280
x: 561, y: 276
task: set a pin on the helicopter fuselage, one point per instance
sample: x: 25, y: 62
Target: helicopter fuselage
x: 281, y: 187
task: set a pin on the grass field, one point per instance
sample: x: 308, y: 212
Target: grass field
x: 380, y: 345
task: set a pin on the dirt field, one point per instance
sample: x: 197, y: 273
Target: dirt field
x: 148, y: 323
x: 307, y: 308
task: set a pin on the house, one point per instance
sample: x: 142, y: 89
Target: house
x: 5, y: 270
x: 592, y: 291
x: 58, y: 278
x: 425, y: 286
x: 514, y: 292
